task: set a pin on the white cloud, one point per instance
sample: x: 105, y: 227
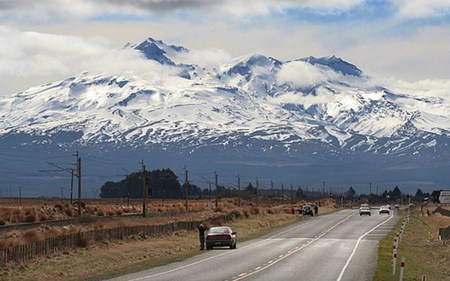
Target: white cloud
x: 208, y: 58
x: 422, y: 8
x: 32, y: 58
x: 324, y: 96
x: 302, y: 74
x: 64, y: 10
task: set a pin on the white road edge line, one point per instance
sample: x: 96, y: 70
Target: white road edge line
x: 301, y: 224
x: 356, y: 246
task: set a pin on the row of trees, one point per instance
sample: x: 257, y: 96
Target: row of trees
x: 164, y: 184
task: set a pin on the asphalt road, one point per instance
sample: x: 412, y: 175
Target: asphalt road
x: 340, y: 247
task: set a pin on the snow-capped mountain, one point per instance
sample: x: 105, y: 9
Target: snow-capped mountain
x: 307, y: 119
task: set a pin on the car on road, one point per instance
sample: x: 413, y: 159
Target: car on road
x: 384, y: 210
x: 220, y: 236
x: 397, y: 206
x: 307, y: 210
x: 365, y: 211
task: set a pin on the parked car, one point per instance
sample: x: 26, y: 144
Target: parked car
x: 307, y: 210
x: 221, y: 236
x: 365, y: 211
x: 385, y: 210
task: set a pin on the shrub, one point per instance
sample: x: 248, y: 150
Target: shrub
x: 30, y: 218
x: 31, y: 235
x: 68, y: 212
x: 2, y: 222
x: 85, y: 241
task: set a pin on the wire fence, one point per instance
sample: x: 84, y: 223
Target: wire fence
x: 30, y: 251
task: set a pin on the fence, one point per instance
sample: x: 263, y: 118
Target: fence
x: 444, y: 234
x: 30, y: 251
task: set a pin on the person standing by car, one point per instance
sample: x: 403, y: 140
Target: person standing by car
x: 201, y: 234
x: 316, y: 209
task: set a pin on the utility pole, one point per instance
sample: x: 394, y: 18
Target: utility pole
x: 145, y: 182
x: 217, y: 187
x: 71, y: 187
x: 292, y: 194
x: 282, y: 193
x: 239, y: 190
x: 257, y: 188
x: 186, y: 184
x: 370, y: 188
x: 77, y: 155
x: 271, y: 190
x: 20, y: 195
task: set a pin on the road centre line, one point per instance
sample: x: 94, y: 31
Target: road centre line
x: 297, y: 250
x: 356, y: 246
x: 250, y: 245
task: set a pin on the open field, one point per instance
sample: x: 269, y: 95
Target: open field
x: 423, y: 252
x: 119, y: 256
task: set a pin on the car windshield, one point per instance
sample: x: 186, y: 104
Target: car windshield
x: 219, y: 230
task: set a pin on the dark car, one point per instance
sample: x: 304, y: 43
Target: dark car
x: 307, y: 210
x: 221, y: 236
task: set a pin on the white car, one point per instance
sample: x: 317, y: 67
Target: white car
x: 364, y: 211
x: 384, y: 210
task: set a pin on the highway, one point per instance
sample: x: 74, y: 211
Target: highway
x: 341, y: 246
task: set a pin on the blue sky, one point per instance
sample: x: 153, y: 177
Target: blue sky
x: 403, y: 42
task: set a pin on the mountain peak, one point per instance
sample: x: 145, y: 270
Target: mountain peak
x: 157, y: 50
x: 335, y: 63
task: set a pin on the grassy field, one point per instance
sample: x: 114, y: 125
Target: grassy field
x: 135, y: 253
x: 424, y: 254
x: 119, y: 257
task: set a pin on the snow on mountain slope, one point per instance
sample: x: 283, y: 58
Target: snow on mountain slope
x: 323, y: 100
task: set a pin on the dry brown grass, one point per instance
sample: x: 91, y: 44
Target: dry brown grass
x: 132, y: 254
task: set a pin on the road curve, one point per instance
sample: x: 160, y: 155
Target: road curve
x: 338, y: 247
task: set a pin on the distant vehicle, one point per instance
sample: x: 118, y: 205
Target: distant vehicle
x: 221, y: 236
x: 365, y: 211
x: 397, y: 206
x: 307, y: 210
x: 384, y: 210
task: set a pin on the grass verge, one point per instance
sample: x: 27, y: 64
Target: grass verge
x: 424, y: 254
x: 119, y: 257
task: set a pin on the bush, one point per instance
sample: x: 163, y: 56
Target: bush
x: 2, y: 222
x: 85, y: 241
x: 30, y: 218
x: 31, y: 235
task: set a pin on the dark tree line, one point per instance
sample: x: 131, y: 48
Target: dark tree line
x: 162, y: 184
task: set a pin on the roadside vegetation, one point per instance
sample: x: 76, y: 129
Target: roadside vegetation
x: 113, y: 257
x: 425, y: 255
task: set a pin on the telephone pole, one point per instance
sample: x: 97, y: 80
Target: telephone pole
x: 217, y: 189
x: 282, y: 193
x: 271, y: 190
x: 257, y: 187
x: 239, y: 189
x: 186, y: 185
x: 77, y: 155
x: 145, y: 182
